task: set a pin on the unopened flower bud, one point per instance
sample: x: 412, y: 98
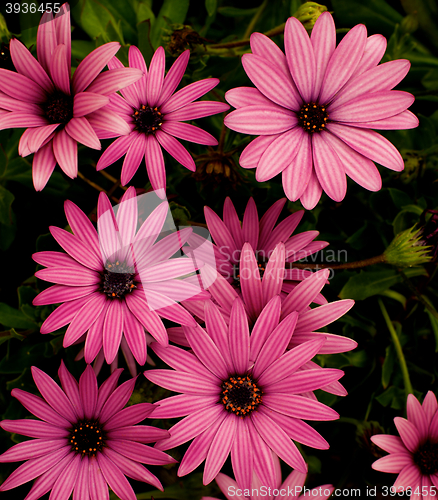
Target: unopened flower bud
x: 308, y: 13
x: 409, y: 24
x: 181, y: 37
x: 5, y: 34
x: 408, y: 249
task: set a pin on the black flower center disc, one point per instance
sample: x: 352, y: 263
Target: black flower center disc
x: 147, y: 119
x: 426, y: 457
x: 118, y: 280
x: 240, y: 395
x: 313, y: 117
x: 59, y: 108
x: 87, y: 437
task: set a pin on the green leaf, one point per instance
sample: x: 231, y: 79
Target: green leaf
x: 376, y: 13
x: 124, y: 15
x: 356, y: 358
x: 211, y: 6
x: 172, y: 11
x: 236, y: 12
x: 368, y: 283
x: 20, y: 170
x: 6, y: 199
x: 388, y: 366
x: 144, y: 39
x: 14, y: 318
x: 26, y: 294
x: 94, y: 18
x: 399, y: 198
x: 7, y: 235
x: 10, y: 334
x: 392, y: 294
x: 357, y: 240
x: 434, y: 325
x: 393, y: 396
x: 81, y: 48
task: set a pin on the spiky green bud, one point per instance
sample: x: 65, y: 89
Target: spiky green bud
x: 407, y: 249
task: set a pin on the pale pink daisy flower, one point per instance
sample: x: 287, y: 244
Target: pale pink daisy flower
x: 413, y: 455
x: 155, y: 115
x: 242, y: 394
x: 116, y: 282
x: 56, y: 107
x: 289, y: 489
x: 314, y: 108
x: 85, y: 439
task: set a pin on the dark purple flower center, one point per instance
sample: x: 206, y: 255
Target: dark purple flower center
x: 5, y: 57
x: 118, y: 280
x: 240, y: 395
x: 313, y: 117
x: 87, y: 437
x: 147, y: 119
x: 426, y: 457
x: 59, y: 108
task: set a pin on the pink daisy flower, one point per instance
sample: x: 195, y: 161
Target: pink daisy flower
x: 230, y: 237
x: 413, y: 455
x: 235, y: 405
x: 155, y: 115
x: 314, y: 106
x: 85, y: 439
x: 116, y: 283
x: 257, y: 287
x: 55, y: 107
x: 290, y: 489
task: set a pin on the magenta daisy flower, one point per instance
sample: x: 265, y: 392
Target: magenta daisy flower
x: 155, y: 115
x: 85, y: 439
x: 117, y: 283
x: 55, y: 107
x: 413, y: 455
x: 230, y: 236
x: 235, y: 405
x: 290, y: 489
x: 313, y: 109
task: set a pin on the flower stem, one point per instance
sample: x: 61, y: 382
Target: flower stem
x: 241, y: 43
x: 347, y: 265
x: 254, y: 20
x: 398, y: 348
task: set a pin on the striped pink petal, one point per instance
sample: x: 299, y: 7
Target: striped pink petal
x: 87, y: 102
x: 300, y: 57
x: 173, y: 77
x: 156, y: 77
x: 60, y: 70
x: 28, y: 66
x: 92, y: 65
x: 43, y: 165
x: 65, y: 150
x: 343, y: 62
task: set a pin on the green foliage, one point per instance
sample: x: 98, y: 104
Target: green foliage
x: 368, y: 283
